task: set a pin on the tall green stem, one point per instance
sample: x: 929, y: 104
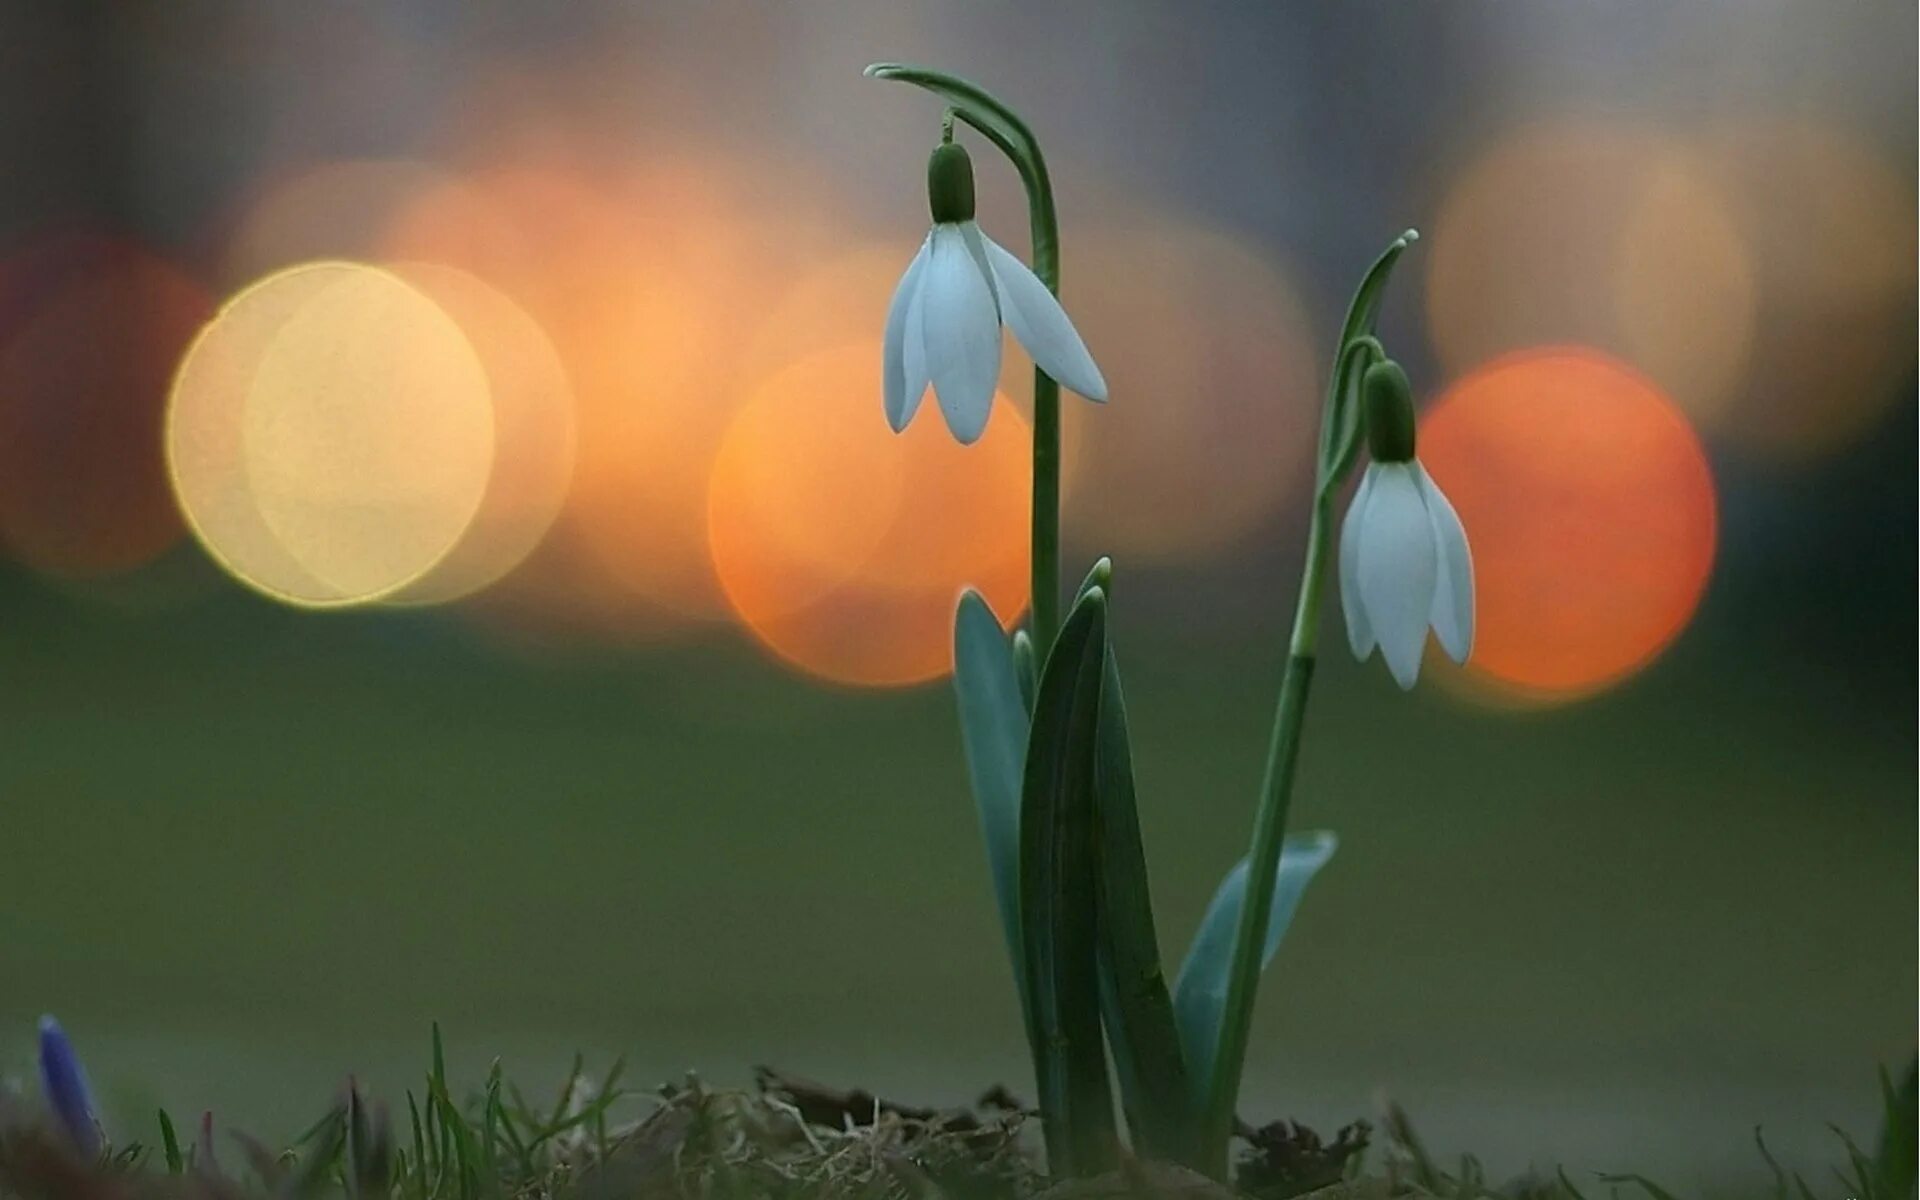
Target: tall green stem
x: 1340, y: 430
x: 1269, y: 834
x: 1046, y: 501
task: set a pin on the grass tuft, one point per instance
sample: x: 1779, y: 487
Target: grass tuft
x: 784, y: 1139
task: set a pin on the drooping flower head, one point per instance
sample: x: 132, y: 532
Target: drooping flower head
x: 1404, y: 561
x: 943, y: 327
x: 65, y: 1084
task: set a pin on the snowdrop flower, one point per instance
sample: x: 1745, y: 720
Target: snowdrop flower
x: 1404, y: 562
x: 65, y: 1085
x: 943, y: 327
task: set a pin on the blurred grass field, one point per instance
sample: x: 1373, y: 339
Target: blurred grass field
x: 250, y: 851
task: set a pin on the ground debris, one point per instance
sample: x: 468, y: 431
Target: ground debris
x: 1284, y: 1159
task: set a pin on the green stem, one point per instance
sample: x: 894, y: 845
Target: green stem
x: 1046, y: 419
x: 1269, y: 834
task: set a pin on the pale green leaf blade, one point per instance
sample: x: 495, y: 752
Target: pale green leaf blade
x: 1200, y: 994
x: 1139, y: 1010
x: 993, y: 733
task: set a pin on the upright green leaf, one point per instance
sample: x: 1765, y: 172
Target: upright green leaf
x: 993, y: 732
x: 1139, y: 1013
x: 1200, y: 993
x: 1025, y: 670
x: 1099, y: 575
x: 1058, y: 863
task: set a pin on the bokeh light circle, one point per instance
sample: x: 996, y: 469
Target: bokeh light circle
x: 534, y: 436
x: 1610, y: 236
x: 1590, y: 508
x: 645, y: 279
x: 90, y: 328
x: 843, y: 546
x: 1830, y: 220
x: 330, y: 434
x: 1214, y: 375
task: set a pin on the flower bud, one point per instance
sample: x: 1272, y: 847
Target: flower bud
x: 1389, y: 405
x: 950, y: 184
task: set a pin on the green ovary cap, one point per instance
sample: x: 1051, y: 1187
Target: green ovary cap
x: 950, y: 184
x: 1389, y: 402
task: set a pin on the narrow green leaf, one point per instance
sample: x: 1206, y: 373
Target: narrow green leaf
x: 1200, y: 993
x: 419, y: 1136
x: 439, y: 1061
x: 1058, y: 859
x: 1339, y: 418
x: 1345, y: 430
x: 1365, y: 308
x: 370, y: 1156
x: 176, y: 1162
x: 567, y: 1090
x: 1894, y: 1164
x: 1139, y: 1012
x: 420, y: 1161
x: 993, y: 733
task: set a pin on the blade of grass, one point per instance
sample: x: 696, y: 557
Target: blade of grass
x: 421, y: 1165
x: 176, y: 1162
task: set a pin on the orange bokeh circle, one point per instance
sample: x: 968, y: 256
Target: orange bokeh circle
x: 1591, y: 511
x: 843, y: 546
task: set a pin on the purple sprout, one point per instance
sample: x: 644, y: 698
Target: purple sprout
x: 65, y: 1084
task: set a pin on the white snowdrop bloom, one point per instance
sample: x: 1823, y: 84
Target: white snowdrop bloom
x: 1404, y: 561
x: 943, y: 328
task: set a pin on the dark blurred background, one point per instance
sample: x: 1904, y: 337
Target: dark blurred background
x: 685, y: 784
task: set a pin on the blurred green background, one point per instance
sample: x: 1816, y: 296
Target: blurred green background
x: 248, y: 850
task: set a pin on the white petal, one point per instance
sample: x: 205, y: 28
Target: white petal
x: 977, y: 247
x: 1397, y: 568
x: 1037, y: 319
x: 1359, y: 633
x: 961, y: 330
x: 903, y: 388
x: 913, y: 358
x: 1453, y: 584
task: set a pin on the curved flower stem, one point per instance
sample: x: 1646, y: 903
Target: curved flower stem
x: 1340, y: 430
x: 1269, y: 835
x: 1004, y: 128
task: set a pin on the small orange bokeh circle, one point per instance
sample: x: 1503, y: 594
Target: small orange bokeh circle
x: 843, y: 546
x: 1591, y: 512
